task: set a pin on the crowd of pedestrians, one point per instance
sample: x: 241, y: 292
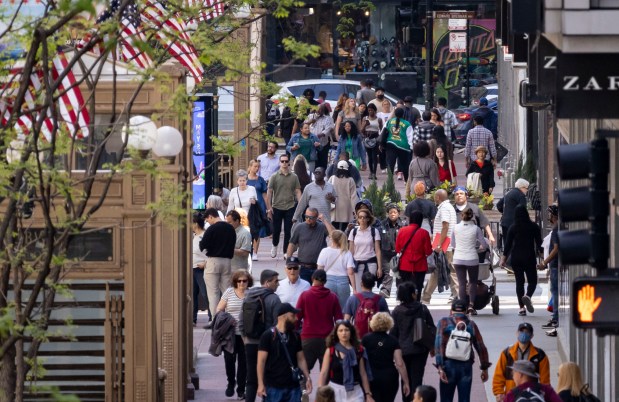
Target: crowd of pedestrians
x: 326, y: 312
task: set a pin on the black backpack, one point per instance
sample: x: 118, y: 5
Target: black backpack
x: 254, y: 316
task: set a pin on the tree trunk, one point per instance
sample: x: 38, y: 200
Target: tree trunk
x: 7, y: 376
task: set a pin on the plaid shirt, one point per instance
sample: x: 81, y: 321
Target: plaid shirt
x: 424, y: 132
x: 449, y: 118
x: 443, y: 331
x: 476, y: 137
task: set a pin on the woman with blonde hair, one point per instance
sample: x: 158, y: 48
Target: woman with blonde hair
x: 243, y: 195
x: 570, y: 387
x: 339, y: 265
x: 383, y: 351
x: 341, y: 101
x: 350, y: 113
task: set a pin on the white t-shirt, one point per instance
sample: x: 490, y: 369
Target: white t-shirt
x: 240, y: 198
x: 335, y: 262
x: 445, y: 213
x: 290, y: 292
x: 198, y: 256
x: 364, y: 246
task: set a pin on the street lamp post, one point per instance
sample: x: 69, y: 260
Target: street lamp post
x: 429, y: 56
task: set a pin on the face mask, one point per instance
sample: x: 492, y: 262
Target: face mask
x: 380, y: 97
x: 524, y: 337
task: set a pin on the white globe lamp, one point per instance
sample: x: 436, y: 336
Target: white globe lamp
x: 142, y: 134
x: 169, y: 143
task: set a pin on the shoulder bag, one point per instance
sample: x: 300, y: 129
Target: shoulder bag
x: 395, y: 260
x: 423, y: 334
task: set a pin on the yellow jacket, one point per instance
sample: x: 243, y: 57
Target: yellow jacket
x: 503, y: 382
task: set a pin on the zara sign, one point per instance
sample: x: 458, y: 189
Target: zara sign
x: 587, y: 85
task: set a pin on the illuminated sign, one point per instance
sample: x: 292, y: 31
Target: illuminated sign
x: 595, y: 301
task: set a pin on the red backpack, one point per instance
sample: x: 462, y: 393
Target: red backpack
x: 366, y: 310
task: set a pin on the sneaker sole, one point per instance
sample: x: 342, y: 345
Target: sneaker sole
x: 528, y: 304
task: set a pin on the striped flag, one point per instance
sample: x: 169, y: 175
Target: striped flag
x: 72, y: 106
x: 209, y: 9
x: 172, y: 33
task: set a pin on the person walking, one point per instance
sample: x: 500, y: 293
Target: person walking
x: 455, y: 368
x: 448, y: 117
x: 339, y: 106
x: 467, y: 241
x: 364, y: 244
x: 257, y: 182
x: 348, y: 114
x: 283, y: 193
x: 479, y: 136
x: 321, y: 125
x: 305, y: 143
x: 422, y: 168
x: 528, y: 386
x: 570, y: 385
x: 319, y: 309
x: 522, y: 349
x: 345, y: 365
x: 231, y: 302
x: 346, y: 190
x: 198, y: 262
x: 371, y: 126
x: 243, y: 195
x: 480, y: 219
x: 378, y: 303
x: 309, y: 238
x: 252, y: 328
x: 279, y: 353
x: 242, y: 246
x: 318, y: 195
x: 385, y: 358
x: 523, y: 243
x: 339, y: 266
x: 507, y: 205
x: 351, y: 142
x: 484, y: 169
x: 488, y: 116
x: 424, y: 129
x: 415, y: 355
x: 390, y: 227
x: 291, y: 287
x: 425, y: 206
x: 413, y: 243
x: 219, y: 241
x: 269, y: 163
x: 552, y: 262
x: 397, y: 142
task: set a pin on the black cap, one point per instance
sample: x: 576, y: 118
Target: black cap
x: 525, y: 325
x: 459, y: 306
x: 286, y: 308
x: 408, y: 99
x: 266, y: 275
x: 292, y: 261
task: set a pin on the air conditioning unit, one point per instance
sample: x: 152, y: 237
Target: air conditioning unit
x: 529, y: 97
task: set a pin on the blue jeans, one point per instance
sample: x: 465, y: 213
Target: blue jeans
x: 283, y: 394
x: 306, y: 273
x: 554, y: 291
x: 339, y: 285
x: 460, y: 376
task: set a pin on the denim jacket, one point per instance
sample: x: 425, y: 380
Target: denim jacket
x: 295, y: 138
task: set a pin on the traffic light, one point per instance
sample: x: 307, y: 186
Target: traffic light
x: 585, y: 161
x: 594, y: 302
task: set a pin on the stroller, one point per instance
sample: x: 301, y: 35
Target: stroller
x: 486, y: 294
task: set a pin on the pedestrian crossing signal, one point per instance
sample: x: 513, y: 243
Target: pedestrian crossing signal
x: 595, y: 301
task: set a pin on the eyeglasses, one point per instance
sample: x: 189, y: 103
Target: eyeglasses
x: 311, y: 218
x: 294, y: 268
x: 242, y: 281
x: 284, y: 161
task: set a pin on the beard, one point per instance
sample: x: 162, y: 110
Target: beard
x: 289, y: 326
x: 380, y: 97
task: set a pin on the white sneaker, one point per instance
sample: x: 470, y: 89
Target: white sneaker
x: 254, y: 257
x: 273, y: 251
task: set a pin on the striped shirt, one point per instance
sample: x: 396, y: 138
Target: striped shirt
x: 478, y: 136
x: 450, y: 120
x: 233, y: 306
x: 314, y: 196
x: 445, y: 213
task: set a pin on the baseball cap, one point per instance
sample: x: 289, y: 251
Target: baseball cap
x: 483, y: 101
x: 342, y: 165
x: 459, y: 306
x: 525, y: 325
x: 292, y: 261
x: 286, y: 308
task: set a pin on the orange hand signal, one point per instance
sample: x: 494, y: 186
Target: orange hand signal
x: 587, y: 303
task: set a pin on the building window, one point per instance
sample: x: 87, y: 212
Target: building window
x: 111, y: 152
x: 225, y: 113
x: 93, y: 246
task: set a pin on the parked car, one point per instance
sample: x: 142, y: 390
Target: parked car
x: 465, y: 120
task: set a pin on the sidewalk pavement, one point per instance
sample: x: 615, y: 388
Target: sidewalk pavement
x: 498, y: 331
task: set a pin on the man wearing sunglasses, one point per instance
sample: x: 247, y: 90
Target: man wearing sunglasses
x: 283, y: 194
x: 310, y: 238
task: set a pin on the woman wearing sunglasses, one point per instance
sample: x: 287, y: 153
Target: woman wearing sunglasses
x: 231, y: 302
x: 345, y: 365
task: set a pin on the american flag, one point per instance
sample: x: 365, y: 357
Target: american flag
x: 209, y: 9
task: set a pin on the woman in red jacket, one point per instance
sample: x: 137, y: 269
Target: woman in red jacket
x: 413, y: 242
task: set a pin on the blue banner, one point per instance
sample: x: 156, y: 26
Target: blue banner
x: 199, y: 154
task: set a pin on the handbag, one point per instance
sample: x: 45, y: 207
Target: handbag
x: 423, y: 334
x: 501, y: 151
x: 395, y: 260
x: 426, y: 181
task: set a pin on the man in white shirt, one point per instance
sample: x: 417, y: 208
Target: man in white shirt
x: 444, y: 223
x: 242, y: 247
x: 269, y: 163
x: 291, y: 288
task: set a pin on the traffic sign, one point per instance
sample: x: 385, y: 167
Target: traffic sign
x: 457, y: 24
x: 595, y: 301
x: 457, y: 42
x: 467, y: 15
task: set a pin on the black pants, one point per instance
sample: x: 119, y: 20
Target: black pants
x: 314, y: 351
x: 531, y: 274
x: 372, y: 158
x: 198, y: 285
x: 340, y: 226
x: 323, y: 157
x: 473, y: 275
x: 382, y: 159
x: 280, y: 215
x: 251, y: 357
x: 403, y: 158
x: 415, y: 367
x: 416, y: 277
x: 239, y: 376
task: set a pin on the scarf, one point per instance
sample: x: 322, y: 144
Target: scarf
x: 348, y: 362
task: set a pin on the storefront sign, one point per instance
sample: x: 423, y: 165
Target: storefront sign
x: 455, y: 14
x: 457, y: 24
x: 457, y: 42
x: 587, y: 85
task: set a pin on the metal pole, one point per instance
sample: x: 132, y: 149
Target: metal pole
x: 429, y: 56
x: 468, y: 56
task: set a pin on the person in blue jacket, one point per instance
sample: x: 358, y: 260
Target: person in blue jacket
x: 351, y: 142
x: 306, y: 144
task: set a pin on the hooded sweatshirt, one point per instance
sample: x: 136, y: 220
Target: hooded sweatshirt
x: 320, y: 308
x: 403, y: 322
x: 271, y: 303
